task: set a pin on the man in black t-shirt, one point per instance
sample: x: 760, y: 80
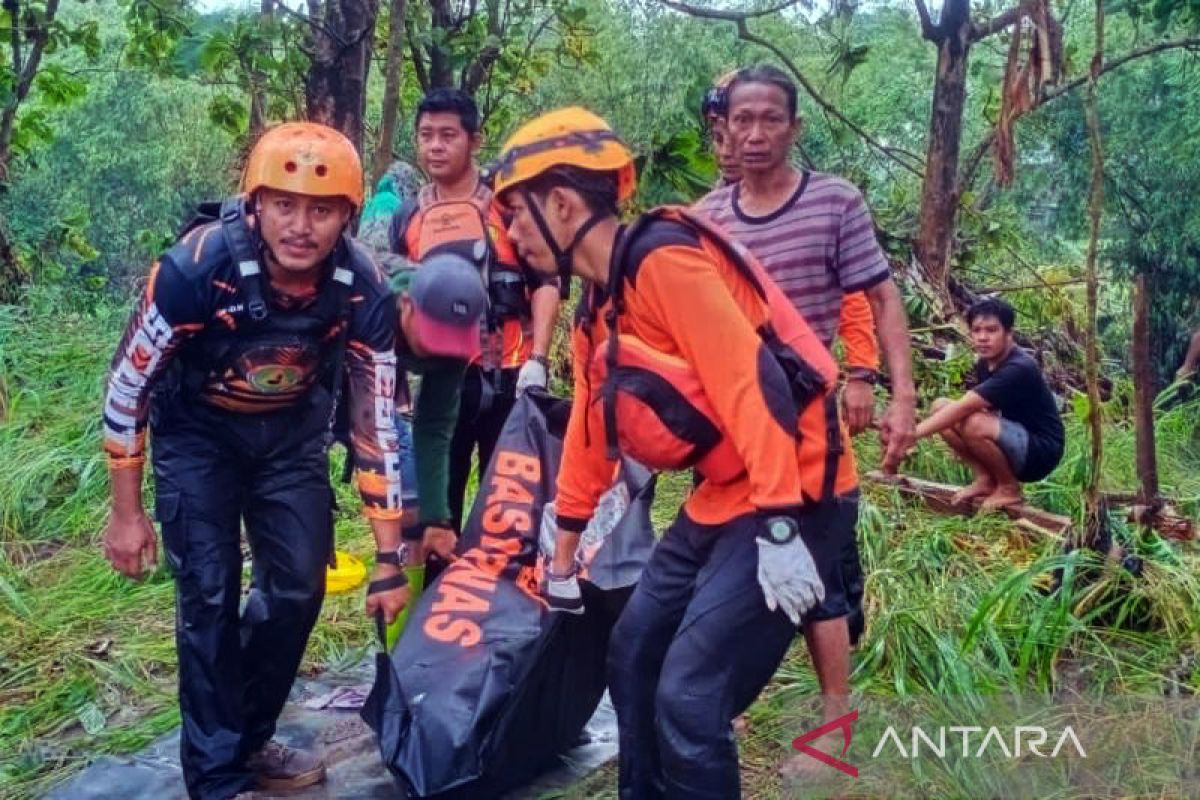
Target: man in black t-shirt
x: 1007, y: 429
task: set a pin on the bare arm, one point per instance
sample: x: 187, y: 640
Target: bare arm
x: 544, y: 305
x: 951, y: 414
x: 897, y: 427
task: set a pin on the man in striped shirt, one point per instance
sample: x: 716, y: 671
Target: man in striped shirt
x: 814, y: 235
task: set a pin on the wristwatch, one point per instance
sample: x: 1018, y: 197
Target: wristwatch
x: 781, y: 530
x: 396, y: 558
x: 868, y: 376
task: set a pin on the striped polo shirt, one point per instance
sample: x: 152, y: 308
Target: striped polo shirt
x: 816, y: 246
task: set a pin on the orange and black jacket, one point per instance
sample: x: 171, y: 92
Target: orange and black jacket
x: 192, y: 307
x: 685, y: 299
x: 512, y: 344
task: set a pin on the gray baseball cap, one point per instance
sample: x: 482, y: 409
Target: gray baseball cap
x: 449, y: 300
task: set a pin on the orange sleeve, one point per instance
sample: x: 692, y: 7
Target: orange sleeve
x: 586, y: 472
x: 682, y: 290
x: 856, y: 328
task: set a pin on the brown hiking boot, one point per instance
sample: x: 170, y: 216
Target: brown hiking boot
x: 278, y: 767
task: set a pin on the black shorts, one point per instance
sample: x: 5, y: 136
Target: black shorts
x: 828, y: 529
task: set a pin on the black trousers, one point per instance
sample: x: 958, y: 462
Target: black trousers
x: 487, y: 400
x: 693, y: 648
x: 213, y: 471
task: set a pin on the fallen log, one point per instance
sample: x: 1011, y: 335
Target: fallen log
x: 1158, y: 514
x: 1165, y: 520
x: 938, y: 496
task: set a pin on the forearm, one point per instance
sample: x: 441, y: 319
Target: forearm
x: 945, y: 417
x: 566, y: 543
x: 892, y: 322
x: 126, y: 488
x: 387, y: 534
x: 544, y: 309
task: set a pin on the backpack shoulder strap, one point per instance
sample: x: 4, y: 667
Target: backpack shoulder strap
x: 645, y: 235
x: 401, y: 222
x: 343, y: 285
x: 733, y: 250
x: 244, y: 252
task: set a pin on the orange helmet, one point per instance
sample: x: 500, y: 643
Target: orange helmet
x: 567, y: 137
x: 305, y: 158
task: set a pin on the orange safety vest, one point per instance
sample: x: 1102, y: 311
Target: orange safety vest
x: 655, y: 408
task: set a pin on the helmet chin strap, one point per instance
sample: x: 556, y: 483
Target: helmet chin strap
x: 255, y: 207
x: 563, y: 257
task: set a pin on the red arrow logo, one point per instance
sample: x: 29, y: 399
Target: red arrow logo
x: 843, y: 722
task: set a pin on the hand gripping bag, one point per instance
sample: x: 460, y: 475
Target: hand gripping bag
x: 486, y: 686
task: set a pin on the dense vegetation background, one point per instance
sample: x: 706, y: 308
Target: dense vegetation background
x: 118, y: 116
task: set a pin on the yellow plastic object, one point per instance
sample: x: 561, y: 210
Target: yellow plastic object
x: 348, y: 574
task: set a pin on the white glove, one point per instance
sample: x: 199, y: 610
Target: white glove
x: 788, y: 577
x: 533, y: 373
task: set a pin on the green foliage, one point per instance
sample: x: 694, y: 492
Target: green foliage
x: 127, y: 168
x: 156, y: 28
x: 110, y: 163
x: 228, y: 113
x: 676, y: 170
x: 54, y: 85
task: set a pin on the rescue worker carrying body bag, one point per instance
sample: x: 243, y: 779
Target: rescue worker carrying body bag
x: 710, y: 367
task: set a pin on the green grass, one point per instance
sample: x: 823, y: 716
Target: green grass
x: 956, y: 606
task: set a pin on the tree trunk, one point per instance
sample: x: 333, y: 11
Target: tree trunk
x: 1143, y: 381
x: 258, y: 81
x: 393, y: 77
x: 336, y: 85
x: 441, y: 71
x: 12, y: 276
x: 34, y: 37
x: 1094, y: 507
x: 940, y: 188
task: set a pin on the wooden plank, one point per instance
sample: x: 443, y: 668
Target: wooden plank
x: 938, y: 496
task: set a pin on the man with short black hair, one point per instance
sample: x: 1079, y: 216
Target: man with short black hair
x: 520, y: 324
x: 1007, y: 429
x: 813, y: 233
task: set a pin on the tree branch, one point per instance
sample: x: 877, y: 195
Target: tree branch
x: 981, y: 150
x: 316, y: 25
x: 929, y: 31
x: 15, y: 35
x: 39, y: 39
x: 997, y: 23
x: 888, y: 151
x: 739, y: 18
x: 25, y: 75
x: 727, y: 16
x: 418, y: 64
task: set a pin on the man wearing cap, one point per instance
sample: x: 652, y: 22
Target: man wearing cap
x: 440, y: 307
x: 233, y: 359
